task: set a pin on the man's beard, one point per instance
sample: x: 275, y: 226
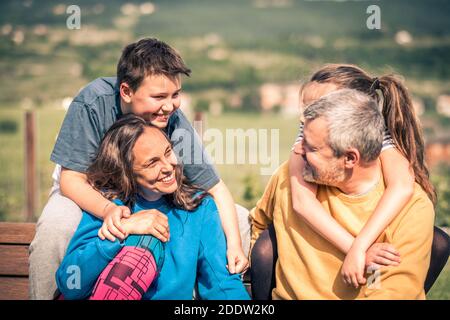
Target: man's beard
x: 331, y: 176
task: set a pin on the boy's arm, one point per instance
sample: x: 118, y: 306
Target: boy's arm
x: 74, y: 185
x: 199, y: 170
x: 75, y: 148
x: 262, y: 215
x: 228, y: 217
x: 305, y: 204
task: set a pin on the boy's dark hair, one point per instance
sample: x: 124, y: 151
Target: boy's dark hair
x: 148, y: 56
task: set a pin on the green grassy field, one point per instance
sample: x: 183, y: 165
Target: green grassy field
x: 49, y: 121
x: 258, y: 45
x: 274, y: 44
x: 12, y: 159
x: 441, y: 289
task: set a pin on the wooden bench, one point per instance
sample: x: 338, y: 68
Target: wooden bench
x: 15, y: 238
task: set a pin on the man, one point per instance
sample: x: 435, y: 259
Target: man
x: 343, y: 136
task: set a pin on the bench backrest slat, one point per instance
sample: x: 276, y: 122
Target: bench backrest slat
x: 16, y: 233
x: 13, y: 288
x: 14, y: 260
x: 15, y: 239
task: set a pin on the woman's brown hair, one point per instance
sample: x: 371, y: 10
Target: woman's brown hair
x: 111, y: 172
x: 397, y: 109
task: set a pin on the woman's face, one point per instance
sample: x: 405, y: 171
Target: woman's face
x: 154, y: 164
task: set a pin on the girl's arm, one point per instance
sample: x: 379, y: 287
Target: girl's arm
x: 305, y: 204
x: 237, y: 260
x: 399, y: 179
x: 399, y: 188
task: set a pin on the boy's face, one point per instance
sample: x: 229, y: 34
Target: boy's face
x: 155, y: 99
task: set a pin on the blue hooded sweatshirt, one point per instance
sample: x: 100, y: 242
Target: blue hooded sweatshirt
x: 195, y: 254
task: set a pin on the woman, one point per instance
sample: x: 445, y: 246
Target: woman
x: 137, y: 167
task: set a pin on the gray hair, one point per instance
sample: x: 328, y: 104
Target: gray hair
x: 354, y: 121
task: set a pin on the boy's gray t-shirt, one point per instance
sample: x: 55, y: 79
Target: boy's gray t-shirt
x: 92, y: 113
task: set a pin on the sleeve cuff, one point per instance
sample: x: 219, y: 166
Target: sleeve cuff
x: 69, y: 165
x: 109, y: 249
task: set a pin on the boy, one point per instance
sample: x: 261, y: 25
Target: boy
x: 148, y: 84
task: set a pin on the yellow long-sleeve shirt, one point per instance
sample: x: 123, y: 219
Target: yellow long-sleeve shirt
x: 308, y: 266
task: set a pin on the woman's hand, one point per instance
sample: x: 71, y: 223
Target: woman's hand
x: 151, y: 222
x: 112, y: 226
x: 237, y: 260
x: 356, y: 262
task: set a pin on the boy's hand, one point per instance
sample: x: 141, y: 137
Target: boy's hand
x: 237, y: 261
x: 112, y: 227
x: 151, y: 222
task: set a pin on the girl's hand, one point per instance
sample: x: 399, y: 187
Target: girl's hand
x: 379, y: 254
x: 151, y: 222
x: 352, y: 271
x: 237, y: 261
x: 112, y: 226
x: 382, y: 254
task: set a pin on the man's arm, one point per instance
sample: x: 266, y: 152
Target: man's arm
x: 262, y: 215
x: 412, y: 236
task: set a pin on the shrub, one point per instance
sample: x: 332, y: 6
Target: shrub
x: 8, y: 126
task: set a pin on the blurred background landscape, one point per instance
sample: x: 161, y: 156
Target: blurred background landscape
x: 248, y: 58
